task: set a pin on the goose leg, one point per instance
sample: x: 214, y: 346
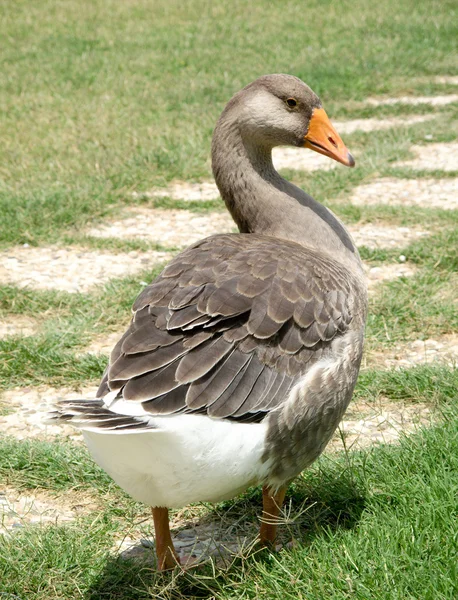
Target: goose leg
x: 167, y: 558
x: 271, y: 506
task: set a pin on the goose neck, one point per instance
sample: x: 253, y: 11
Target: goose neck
x: 261, y: 201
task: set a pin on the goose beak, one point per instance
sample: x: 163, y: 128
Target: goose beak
x: 323, y: 138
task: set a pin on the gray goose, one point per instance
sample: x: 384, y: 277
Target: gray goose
x: 242, y: 355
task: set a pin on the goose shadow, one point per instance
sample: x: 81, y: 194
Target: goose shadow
x: 326, y: 502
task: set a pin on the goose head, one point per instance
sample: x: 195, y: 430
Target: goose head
x: 277, y: 110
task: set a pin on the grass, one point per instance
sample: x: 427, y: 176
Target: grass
x: 102, y: 100
x: 430, y: 384
x: 31, y: 464
x: 54, y: 356
x: 374, y: 524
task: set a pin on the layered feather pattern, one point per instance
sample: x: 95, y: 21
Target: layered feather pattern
x: 229, y: 326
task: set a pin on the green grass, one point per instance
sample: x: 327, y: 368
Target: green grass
x: 374, y: 524
x: 434, y: 385
x: 54, y: 357
x: 56, y: 465
x: 99, y: 100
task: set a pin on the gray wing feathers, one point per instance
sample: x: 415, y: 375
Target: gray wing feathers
x: 229, y: 326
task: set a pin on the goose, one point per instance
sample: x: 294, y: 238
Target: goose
x: 242, y: 355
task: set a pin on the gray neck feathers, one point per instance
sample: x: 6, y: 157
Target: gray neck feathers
x: 260, y: 201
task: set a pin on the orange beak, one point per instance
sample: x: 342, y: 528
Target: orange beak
x: 323, y: 138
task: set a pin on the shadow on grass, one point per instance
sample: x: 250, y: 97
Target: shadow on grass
x: 317, y: 503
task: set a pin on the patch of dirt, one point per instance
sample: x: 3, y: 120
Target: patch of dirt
x: 221, y: 540
x: 384, y: 236
x: 301, y: 159
x: 367, y: 424
x: 172, y: 228
x: 437, y: 157
x: 379, y: 274
x: 181, y: 228
x: 443, y: 350
x: 29, y: 406
x: 181, y: 190
x: 105, y: 342
x: 414, y: 100
x: 18, y: 509
x: 18, y: 325
x: 431, y: 193
x: 448, y: 79
x: 347, y: 127
x: 70, y: 270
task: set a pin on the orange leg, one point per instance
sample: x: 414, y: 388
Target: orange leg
x: 272, y: 503
x: 167, y: 558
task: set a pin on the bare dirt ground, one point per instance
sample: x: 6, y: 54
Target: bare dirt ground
x: 443, y: 349
x: 376, y: 275
x: 38, y: 507
x: 436, y: 157
x: 27, y: 407
x: 18, y: 325
x: 434, y: 193
x: 415, y: 100
x: 179, y: 228
x: 448, y: 79
x: 183, y: 190
x: 69, y: 269
x: 366, y: 125
x: 384, y: 236
x: 301, y: 160
x: 76, y: 270
x: 171, y: 228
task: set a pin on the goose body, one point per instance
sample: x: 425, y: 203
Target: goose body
x: 242, y: 355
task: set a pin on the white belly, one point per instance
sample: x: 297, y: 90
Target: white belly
x: 188, y: 458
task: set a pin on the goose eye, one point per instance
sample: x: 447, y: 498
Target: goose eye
x: 291, y: 102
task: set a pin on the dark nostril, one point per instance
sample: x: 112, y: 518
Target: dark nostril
x: 332, y: 141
